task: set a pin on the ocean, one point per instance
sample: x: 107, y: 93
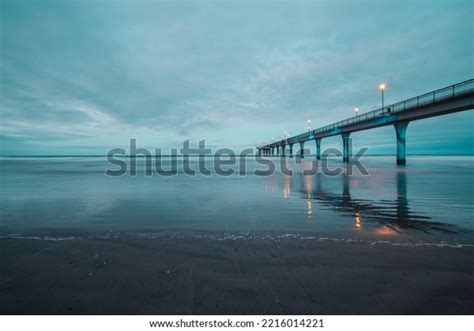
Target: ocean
x: 430, y: 199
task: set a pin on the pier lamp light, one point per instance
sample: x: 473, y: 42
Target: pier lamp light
x: 382, y: 87
x: 308, y: 124
x: 356, y: 110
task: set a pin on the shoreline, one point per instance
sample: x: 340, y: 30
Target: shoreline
x: 365, y: 239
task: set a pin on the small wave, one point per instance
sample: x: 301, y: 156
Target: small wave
x: 45, y: 238
x: 227, y: 236
x: 427, y: 244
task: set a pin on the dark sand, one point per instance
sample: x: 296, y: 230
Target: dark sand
x: 205, y: 276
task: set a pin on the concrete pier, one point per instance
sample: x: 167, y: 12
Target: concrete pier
x: 401, y: 130
x: 318, y: 148
x: 346, y: 150
x: 301, y: 149
x: 451, y: 99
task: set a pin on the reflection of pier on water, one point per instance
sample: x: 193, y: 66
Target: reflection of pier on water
x: 390, y: 216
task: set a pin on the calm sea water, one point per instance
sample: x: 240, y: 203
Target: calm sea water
x: 429, y: 199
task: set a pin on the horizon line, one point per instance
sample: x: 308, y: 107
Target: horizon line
x: 208, y: 155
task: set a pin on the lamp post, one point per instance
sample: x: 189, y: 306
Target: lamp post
x: 308, y: 125
x: 382, y: 88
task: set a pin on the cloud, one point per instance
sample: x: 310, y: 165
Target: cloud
x: 228, y: 72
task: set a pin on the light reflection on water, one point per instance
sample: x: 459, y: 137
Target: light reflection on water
x: 393, y: 215
x: 429, y: 197
x: 383, y: 216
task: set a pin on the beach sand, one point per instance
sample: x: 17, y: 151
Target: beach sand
x: 167, y: 275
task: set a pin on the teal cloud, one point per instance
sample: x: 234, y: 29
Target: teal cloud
x: 78, y: 77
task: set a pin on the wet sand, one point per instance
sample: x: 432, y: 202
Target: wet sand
x: 254, y: 276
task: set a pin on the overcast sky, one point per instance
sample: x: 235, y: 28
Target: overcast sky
x: 80, y: 78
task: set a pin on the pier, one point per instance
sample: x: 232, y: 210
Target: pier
x: 447, y: 100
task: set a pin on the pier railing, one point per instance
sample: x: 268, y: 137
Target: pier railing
x: 424, y: 99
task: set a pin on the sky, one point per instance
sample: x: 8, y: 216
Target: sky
x: 82, y: 77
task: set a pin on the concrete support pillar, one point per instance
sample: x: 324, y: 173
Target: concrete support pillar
x: 401, y: 130
x: 302, y: 149
x: 318, y: 149
x: 273, y: 151
x: 291, y: 150
x: 283, y: 150
x: 346, y: 153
